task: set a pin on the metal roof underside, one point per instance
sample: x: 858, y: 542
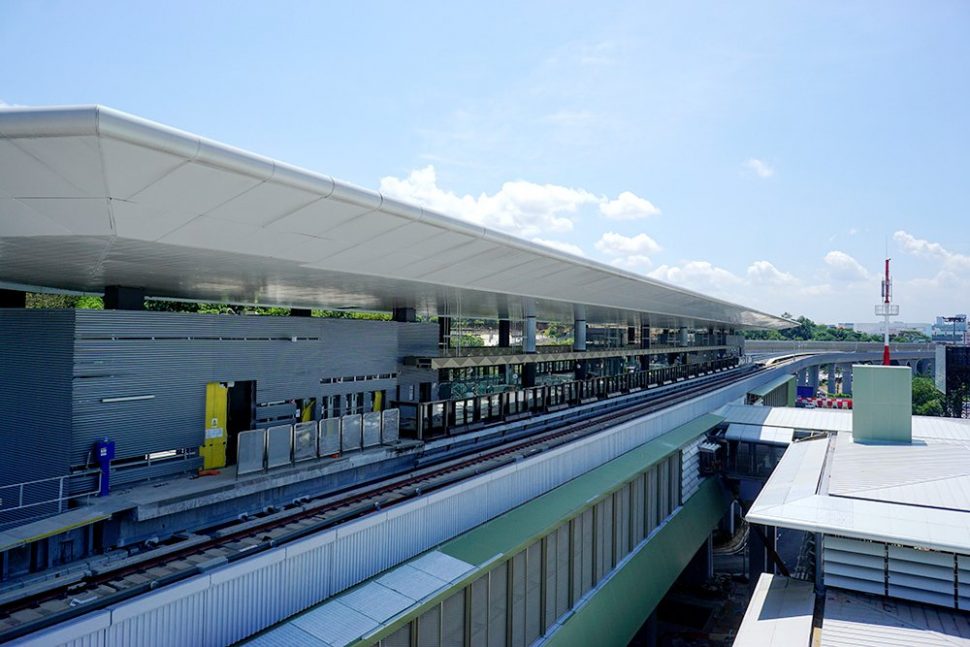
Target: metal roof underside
x: 91, y: 197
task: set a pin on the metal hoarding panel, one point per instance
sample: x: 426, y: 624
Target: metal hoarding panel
x: 279, y: 445
x: 309, y: 563
x: 244, y: 598
x: 170, y: 615
x: 372, y: 429
x: 390, y: 426
x: 251, y: 451
x: 350, y: 433
x: 304, y: 441
x: 330, y: 436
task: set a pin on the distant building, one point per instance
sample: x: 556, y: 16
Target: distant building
x: 895, y: 327
x: 950, y: 330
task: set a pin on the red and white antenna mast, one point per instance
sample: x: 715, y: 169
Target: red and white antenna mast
x: 886, y: 309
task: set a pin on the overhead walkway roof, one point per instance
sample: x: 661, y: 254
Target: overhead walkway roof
x: 91, y: 196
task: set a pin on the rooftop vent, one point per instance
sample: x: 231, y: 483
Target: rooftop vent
x: 882, y: 407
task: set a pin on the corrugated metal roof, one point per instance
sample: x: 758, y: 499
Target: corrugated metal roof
x: 929, y: 472
x: 767, y: 388
x: 791, y: 417
x: 90, y: 197
x: 761, y: 435
x: 370, y: 606
x: 779, y: 614
x: 791, y: 499
x: 859, y: 620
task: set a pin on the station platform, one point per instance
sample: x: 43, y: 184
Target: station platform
x: 189, y: 493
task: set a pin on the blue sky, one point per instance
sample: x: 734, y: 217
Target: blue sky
x: 761, y: 152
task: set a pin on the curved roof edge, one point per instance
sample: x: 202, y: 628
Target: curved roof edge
x: 102, y: 121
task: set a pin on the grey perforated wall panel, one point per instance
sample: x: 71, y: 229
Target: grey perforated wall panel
x: 691, y: 472
x: 36, y: 356
x: 58, y: 367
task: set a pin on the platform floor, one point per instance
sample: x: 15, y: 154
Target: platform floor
x: 160, y: 498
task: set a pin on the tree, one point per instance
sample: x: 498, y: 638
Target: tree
x: 927, y: 401
x: 910, y: 337
x: 466, y: 341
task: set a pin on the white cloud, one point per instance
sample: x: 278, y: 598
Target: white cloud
x: 764, y: 273
x: 699, y: 275
x: 569, y: 248
x: 628, y: 206
x: 633, y: 263
x: 616, y: 244
x: 760, y: 167
x: 520, y: 208
x: 922, y: 247
x: 629, y: 252
x: 843, y: 267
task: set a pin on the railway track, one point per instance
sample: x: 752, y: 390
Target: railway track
x: 154, y: 569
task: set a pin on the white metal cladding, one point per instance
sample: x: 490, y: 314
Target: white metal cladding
x: 309, y: 563
x: 390, y: 426
x: 963, y: 581
x: 330, y: 436
x: 279, y: 445
x: 691, y: 471
x: 372, y: 429
x: 246, y: 598
x: 172, y: 617
x: 94, y: 188
x: 855, y: 564
x: 362, y: 548
x: 304, y: 441
x: 922, y: 576
x: 350, y: 433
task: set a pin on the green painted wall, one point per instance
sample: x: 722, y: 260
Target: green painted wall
x: 614, y: 614
x: 882, y: 401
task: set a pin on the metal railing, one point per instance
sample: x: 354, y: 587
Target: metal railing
x: 441, y: 417
x: 49, y: 491
x: 490, y: 351
x: 774, y: 346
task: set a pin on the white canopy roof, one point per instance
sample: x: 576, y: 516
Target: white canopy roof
x: 91, y: 197
x: 915, y: 494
